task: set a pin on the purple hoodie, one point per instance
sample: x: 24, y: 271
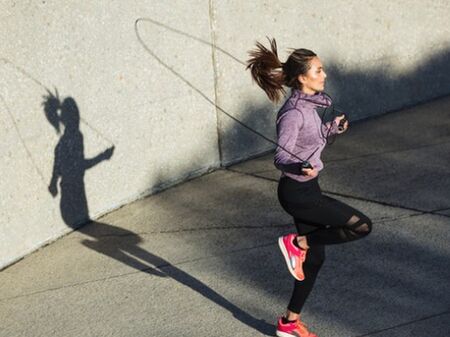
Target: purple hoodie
x: 298, y: 131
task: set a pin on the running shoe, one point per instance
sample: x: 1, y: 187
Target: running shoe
x: 296, y: 329
x: 293, y: 255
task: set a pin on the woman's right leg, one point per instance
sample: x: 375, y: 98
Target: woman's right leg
x: 329, y: 221
x: 332, y: 222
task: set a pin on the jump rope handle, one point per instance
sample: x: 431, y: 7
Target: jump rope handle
x: 342, y: 122
x: 306, y: 165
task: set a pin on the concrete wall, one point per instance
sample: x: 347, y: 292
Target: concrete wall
x: 156, y: 110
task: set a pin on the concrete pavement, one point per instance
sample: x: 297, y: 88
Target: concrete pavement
x: 201, y: 259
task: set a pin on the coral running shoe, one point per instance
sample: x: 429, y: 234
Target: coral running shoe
x: 297, y: 329
x: 293, y: 255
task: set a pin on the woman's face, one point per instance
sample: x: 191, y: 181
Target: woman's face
x: 314, y: 79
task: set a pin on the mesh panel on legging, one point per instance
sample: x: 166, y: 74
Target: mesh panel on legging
x: 356, y: 227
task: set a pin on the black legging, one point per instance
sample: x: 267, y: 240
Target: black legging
x: 324, y: 221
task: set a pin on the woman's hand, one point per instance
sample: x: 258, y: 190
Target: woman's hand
x: 107, y: 154
x: 310, y: 172
x: 53, y: 189
x: 338, y: 119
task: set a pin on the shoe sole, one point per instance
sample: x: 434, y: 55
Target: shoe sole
x: 288, y: 263
x: 284, y: 334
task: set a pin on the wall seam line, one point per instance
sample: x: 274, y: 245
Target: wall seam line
x: 212, y: 26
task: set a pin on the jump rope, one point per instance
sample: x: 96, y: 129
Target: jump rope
x: 303, y: 162
x: 50, y: 95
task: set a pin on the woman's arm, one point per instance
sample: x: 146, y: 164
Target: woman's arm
x: 288, y: 128
x: 105, y: 155
x: 332, y: 128
x: 53, y: 186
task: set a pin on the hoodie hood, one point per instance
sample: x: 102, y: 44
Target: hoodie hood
x: 319, y: 98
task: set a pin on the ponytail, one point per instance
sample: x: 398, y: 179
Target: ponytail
x: 266, y: 70
x: 271, y: 74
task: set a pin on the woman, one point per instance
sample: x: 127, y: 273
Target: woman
x: 302, y: 135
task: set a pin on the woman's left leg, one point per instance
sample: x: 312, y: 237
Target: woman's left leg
x: 311, y: 267
x: 330, y: 222
x: 290, y: 324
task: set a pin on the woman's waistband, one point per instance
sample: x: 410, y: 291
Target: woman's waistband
x: 306, y: 183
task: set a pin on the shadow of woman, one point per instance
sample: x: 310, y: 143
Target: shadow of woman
x: 69, y: 168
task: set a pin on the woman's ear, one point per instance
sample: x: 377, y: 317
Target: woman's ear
x: 301, y: 79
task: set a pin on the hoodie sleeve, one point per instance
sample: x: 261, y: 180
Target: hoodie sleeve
x: 289, y: 125
x: 332, y: 128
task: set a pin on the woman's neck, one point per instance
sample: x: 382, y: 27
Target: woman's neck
x: 308, y: 91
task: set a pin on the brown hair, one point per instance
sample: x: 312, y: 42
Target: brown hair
x: 271, y: 74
